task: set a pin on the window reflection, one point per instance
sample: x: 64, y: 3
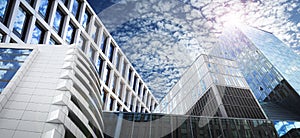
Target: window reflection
x: 91, y: 54
x: 75, y: 8
x: 20, y: 21
x: 1, y: 37
x: 70, y: 33
x: 95, y: 31
x: 86, y: 19
x: 58, y: 20
x: 3, y: 7
x: 10, y: 61
x: 37, y: 35
x: 103, y: 42
x: 44, y: 5
x: 81, y: 43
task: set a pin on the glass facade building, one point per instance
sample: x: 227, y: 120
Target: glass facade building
x: 271, y: 69
x: 174, y: 126
x: 212, y: 86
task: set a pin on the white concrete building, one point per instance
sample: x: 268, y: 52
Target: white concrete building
x: 64, y: 22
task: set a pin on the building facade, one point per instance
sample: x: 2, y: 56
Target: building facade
x: 64, y: 22
x: 212, y: 86
x: 156, y: 125
x: 271, y: 69
x: 51, y: 91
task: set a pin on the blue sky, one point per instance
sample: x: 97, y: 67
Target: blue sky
x: 162, y: 38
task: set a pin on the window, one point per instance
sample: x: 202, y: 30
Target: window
x: 120, y: 92
x: 70, y: 33
x: 99, y: 65
x: 95, y: 31
x: 134, y: 83
x: 92, y: 54
x: 118, y: 58
x: 75, y: 8
x: 10, y: 61
x: 106, y: 75
x: 129, y: 75
x: 111, y: 104
x: 114, y: 83
x: 124, y: 68
x: 37, y: 35
x: 86, y: 19
x: 21, y: 22
x: 110, y: 53
x: 81, y: 43
x: 103, y: 42
x: 52, y: 41
x: 44, y: 8
x: 3, y: 9
x: 2, y: 35
x: 58, y: 21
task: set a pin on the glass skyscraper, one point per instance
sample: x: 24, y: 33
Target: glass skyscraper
x: 271, y: 69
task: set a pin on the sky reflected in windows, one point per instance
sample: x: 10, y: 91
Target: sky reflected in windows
x: 20, y: 21
x: 10, y: 61
x: 86, y: 19
x: 75, y: 8
x: 3, y: 5
x: 36, y: 35
x: 57, y: 21
x: 43, y: 7
x: 70, y: 33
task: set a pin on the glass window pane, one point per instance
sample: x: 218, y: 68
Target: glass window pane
x: 19, y: 22
x: 37, y: 35
x: 57, y: 21
x: 43, y: 8
x: 75, y: 8
x: 103, y: 42
x: 81, y: 43
x: 91, y: 54
x: 3, y: 7
x: 1, y: 37
x: 86, y: 19
x: 70, y: 33
x: 111, y: 52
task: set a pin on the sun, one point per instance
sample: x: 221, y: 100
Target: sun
x: 231, y: 19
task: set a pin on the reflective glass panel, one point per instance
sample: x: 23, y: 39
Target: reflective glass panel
x: 10, y: 61
x: 86, y: 19
x: 57, y: 21
x: 75, y: 8
x: 3, y: 6
x: 37, y: 35
x: 70, y: 33
x: 19, y: 22
x: 43, y: 7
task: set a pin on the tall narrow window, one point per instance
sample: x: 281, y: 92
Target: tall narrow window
x: 70, y: 33
x: 129, y: 75
x: 58, y: 21
x: 37, y: 35
x: 44, y: 8
x: 95, y: 31
x: 124, y: 68
x: 110, y: 53
x: 75, y: 8
x: 114, y: 83
x: 86, y: 19
x: 99, y: 65
x: 81, y: 43
x: 106, y: 75
x: 118, y: 58
x: 92, y: 54
x: 21, y: 22
x: 3, y: 9
x: 2, y: 36
x: 103, y: 42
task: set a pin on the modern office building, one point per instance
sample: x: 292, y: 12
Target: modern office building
x: 212, y: 86
x: 49, y: 91
x: 154, y: 125
x: 271, y: 69
x: 64, y: 22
